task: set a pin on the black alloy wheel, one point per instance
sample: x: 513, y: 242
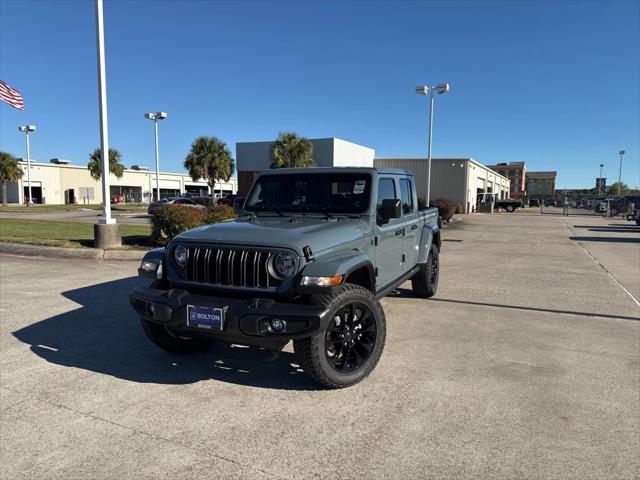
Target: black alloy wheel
x: 350, y: 338
x: 425, y: 282
x: 348, y: 348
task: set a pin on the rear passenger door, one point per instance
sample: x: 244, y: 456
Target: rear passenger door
x: 409, y: 224
x: 388, y: 236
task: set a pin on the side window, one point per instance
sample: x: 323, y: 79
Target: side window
x: 406, y: 196
x: 386, y: 190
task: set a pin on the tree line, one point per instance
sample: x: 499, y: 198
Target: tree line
x: 209, y: 159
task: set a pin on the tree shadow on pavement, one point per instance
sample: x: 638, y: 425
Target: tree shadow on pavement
x: 104, y: 335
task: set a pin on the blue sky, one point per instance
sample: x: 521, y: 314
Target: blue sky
x: 554, y: 84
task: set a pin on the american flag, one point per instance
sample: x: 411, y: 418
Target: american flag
x: 11, y: 96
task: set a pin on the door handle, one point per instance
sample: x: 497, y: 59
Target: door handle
x: 414, y: 227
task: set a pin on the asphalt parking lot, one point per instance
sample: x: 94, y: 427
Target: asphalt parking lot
x: 525, y: 365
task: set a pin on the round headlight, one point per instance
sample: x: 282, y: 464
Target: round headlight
x: 284, y: 264
x: 180, y: 255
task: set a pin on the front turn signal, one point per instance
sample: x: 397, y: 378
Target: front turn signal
x: 310, y: 281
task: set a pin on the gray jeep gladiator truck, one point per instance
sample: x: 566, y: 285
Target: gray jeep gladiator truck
x: 307, y: 260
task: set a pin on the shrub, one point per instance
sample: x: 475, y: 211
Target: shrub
x: 446, y: 208
x: 219, y: 213
x: 172, y: 220
x: 458, y: 209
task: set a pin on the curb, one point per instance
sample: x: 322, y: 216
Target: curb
x: 59, y: 252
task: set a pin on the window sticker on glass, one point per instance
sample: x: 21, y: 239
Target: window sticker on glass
x: 358, y: 186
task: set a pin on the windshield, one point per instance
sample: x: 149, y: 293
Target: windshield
x: 339, y: 193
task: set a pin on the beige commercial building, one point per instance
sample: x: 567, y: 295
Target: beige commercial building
x: 459, y: 180
x: 63, y: 183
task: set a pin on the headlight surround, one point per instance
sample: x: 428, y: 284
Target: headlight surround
x: 180, y: 256
x: 283, y: 264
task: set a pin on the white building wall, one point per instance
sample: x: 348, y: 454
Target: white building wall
x: 56, y: 179
x: 327, y: 152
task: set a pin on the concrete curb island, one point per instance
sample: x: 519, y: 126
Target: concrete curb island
x: 59, y: 252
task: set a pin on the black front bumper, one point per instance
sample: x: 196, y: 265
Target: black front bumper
x: 246, y: 319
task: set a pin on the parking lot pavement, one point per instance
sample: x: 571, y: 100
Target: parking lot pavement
x: 525, y: 365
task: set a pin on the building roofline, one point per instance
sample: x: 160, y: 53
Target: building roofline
x: 128, y: 170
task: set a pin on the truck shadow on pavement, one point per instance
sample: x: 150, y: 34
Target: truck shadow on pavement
x: 104, y: 336
x: 408, y: 293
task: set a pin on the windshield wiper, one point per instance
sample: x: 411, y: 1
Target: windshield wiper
x: 272, y: 208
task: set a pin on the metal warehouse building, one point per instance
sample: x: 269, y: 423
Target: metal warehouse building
x: 59, y: 182
x: 455, y: 179
x: 459, y: 180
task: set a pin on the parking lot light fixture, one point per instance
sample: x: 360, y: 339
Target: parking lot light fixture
x: 156, y: 117
x: 600, y: 180
x: 426, y: 90
x: 621, y: 153
x: 28, y: 129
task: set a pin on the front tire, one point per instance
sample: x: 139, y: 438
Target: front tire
x: 165, y: 339
x: 509, y: 208
x: 348, y: 349
x: 425, y: 282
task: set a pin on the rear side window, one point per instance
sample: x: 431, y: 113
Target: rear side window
x: 386, y: 190
x: 406, y: 196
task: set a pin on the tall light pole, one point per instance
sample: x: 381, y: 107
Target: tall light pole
x: 425, y: 90
x: 27, y: 129
x: 156, y: 117
x: 600, y: 180
x: 621, y: 153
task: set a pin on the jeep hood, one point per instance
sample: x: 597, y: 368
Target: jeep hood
x: 284, y: 232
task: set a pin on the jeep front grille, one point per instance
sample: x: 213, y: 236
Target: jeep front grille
x: 229, y: 267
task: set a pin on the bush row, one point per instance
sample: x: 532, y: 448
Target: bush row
x: 446, y: 208
x: 171, y: 220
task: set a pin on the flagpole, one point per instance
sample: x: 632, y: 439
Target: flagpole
x: 104, y: 127
x: 106, y: 232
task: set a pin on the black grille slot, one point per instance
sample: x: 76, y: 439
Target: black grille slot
x: 229, y: 267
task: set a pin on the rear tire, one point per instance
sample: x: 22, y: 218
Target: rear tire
x: 425, y: 282
x: 509, y: 208
x: 163, y: 338
x: 348, y: 349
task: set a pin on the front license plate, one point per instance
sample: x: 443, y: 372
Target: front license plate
x: 209, y: 318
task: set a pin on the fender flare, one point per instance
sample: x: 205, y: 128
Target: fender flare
x: 341, y: 263
x: 430, y: 235
x: 155, y: 256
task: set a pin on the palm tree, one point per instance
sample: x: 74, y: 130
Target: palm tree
x: 209, y: 159
x: 95, y: 163
x: 290, y: 151
x: 10, y: 171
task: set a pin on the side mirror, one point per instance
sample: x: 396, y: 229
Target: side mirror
x: 238, y: 203
x: 391, y: 208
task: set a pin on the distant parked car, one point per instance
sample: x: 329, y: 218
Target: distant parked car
x: 117, y: 199
x: 228, y: 200
x: 187, y: 202
x: 623, y: 204
x: 534, y: 202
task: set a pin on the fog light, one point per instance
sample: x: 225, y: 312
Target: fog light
x: 277, y: 325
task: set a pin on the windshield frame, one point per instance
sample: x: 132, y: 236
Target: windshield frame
x: 277, y: 209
